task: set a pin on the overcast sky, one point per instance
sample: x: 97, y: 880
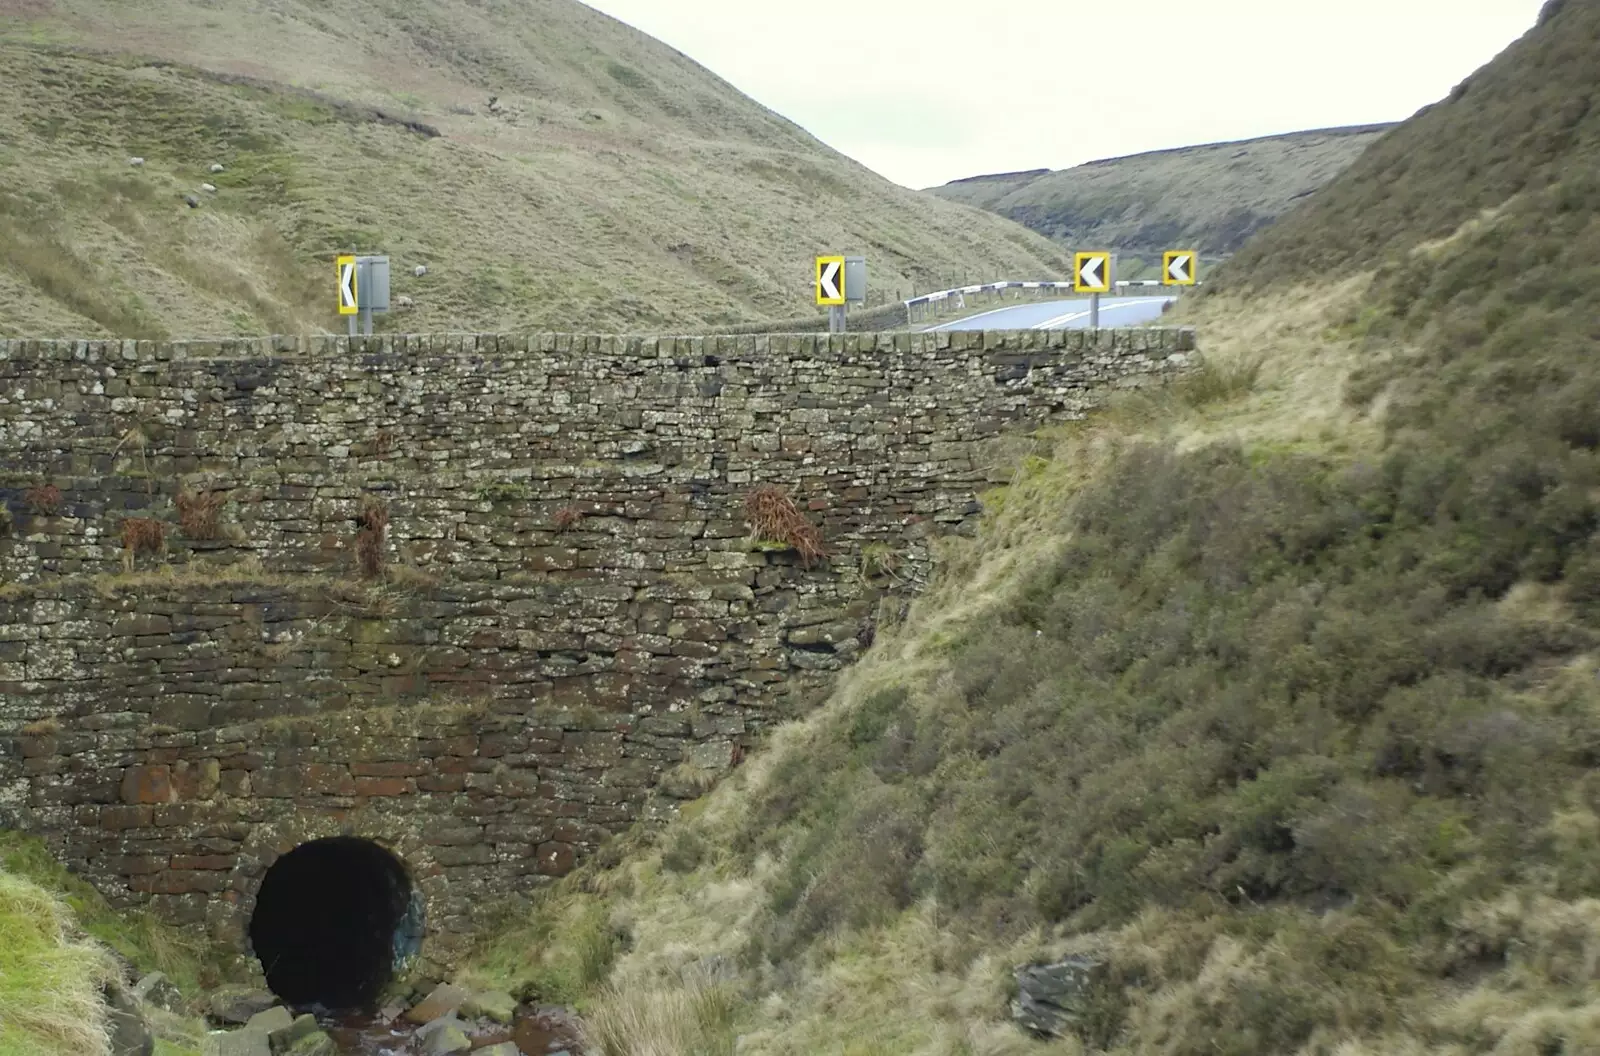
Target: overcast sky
x: 925, y: 91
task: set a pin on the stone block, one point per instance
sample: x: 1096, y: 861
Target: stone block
x: 236, y: 1043
x: 286, y: 1038
x: 148, y: 784
x: 272, y: 1019
x: 442, y: 1001
x: 494, y: 1005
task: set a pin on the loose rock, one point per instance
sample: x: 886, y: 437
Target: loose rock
x: 215, y: 167
x: 287, y: 1037
x: 492, y: 1005
x: 318, y: 1044
x: 445, y: 999
x: 234, y: 1005
x: 236, y: 1043
x: 1053, y: 998
x: 273, y: 1019
x: 156, y: 989
x: 130, y: 1034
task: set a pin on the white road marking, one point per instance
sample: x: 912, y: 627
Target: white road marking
x: 1062, y: 320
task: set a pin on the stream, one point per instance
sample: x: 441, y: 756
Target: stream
x: 545, y: 1031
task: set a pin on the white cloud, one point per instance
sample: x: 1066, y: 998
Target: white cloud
x: 925, y: 91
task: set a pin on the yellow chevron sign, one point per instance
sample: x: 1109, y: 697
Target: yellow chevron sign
x: 1091, y: 273
x: 1179, y: 267
x: 830, y: 280
x: 347, y: 286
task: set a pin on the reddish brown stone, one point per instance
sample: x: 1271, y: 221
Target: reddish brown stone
x: 442, y: 783
x: 384, y: 786
x: 148, y: 784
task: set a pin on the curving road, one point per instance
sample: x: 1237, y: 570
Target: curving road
x: 1063, y: 315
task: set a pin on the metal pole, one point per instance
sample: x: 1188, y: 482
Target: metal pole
x: 352, y: 321
x: 1094, y: 311
x: 366, y: 321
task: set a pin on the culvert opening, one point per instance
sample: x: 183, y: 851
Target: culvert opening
x: 333, y: 921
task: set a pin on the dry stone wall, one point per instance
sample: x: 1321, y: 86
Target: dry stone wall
x: 562, y: 620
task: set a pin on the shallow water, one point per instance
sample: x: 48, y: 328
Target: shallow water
x: 537, y: 1032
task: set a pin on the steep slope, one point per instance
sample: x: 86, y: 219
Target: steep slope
x: 1274, y: 695
x: 1210, y: 197
x: 611, y: 182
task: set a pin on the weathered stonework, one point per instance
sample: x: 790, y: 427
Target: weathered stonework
x: 572, y: 606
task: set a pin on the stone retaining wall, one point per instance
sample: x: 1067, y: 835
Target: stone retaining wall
x: 571, y: 621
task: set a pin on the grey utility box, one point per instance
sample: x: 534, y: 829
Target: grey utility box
x: 372, y: 283
x: 855, y: 279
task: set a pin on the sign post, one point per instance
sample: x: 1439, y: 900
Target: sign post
x: 1180, y: 267
x: 1091, y: 274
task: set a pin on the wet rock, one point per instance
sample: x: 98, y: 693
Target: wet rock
x: 492, y: 1005
x: 442, y: 1037
x: 443, y: 1000
x: 234, y: 1005
x: 236, y: 1043
x: 317, y: 1044
x: 130, y: 1034
x: 284, y: 1039
x: 273, y: 1019
x: 505, y: 1048
x: 156, y: 989
x: 1053, y: 998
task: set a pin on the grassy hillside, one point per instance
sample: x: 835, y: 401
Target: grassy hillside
x: 1210, y: 198
x: 57, y: 938
x: 1276, y: 691
x: 612, y: 183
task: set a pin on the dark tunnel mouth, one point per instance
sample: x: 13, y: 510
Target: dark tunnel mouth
x: 333, y: 919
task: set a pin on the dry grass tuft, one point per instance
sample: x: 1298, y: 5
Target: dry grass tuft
x: 567, y: 518
x: 773, y: 516
x: 692, y: 1015
x: 199, y: 515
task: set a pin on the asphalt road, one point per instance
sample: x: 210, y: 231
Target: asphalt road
x: 1063, y: 315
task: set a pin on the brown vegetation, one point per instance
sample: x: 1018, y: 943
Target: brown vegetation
x: 44, y: 500
x: 773, y: 516
x: 372, y: 523
x: 567, y: 518
x: 199, y: 514
x: 142, y: 535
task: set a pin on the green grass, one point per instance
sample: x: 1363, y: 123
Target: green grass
x: 50, y: 980
x: 140, y: 939
x: 686, y: 205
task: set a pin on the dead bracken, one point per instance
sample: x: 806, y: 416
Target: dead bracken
x: 43, y: 500
x: 142, y: 535
x: 774, y: 516
x: 199, y: 514
x: 372, y: 522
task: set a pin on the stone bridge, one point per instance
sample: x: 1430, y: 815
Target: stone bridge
x: 438, y: 614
